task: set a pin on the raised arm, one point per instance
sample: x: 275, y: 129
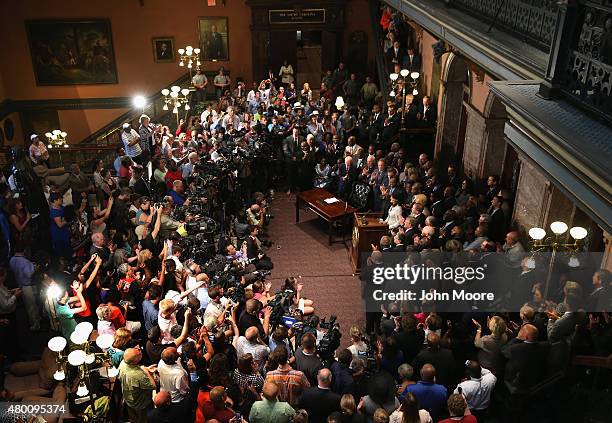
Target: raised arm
x: 157, y: 222
x: 94, y: 272
x: 178, y: 341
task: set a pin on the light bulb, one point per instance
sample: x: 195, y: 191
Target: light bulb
x: 82, y: 390
x: 65, y: 145
x: 175, y: 110
x: 196, y: 50
x: 165, y: 107
x: 78, y: 338
x: 185, y: 91
x: 339, y: 102
x: 578, y: 233
x: 573, y: 262
x: 49, y: 146
x: 48, y: 134
x: 90, y: 358
x: 404, y: 73
x: 84, y: 328
x: 198, y: 63
x: 105, y: 340
x: 165, y: 91
x: 392, y: 94
x: 415, y: 75
x: 174, y: 94
x: 558, y: 228
x: 57, y: 343
x: 181, y: 51
x: 393, y: 76
x: 187, y: 107
x: 64, y: 134
x: 59, y: 375
x: 77, y: 357
x: 113, y: 371
x: 140, y: 101
x: 189, y: 66
x: 54, y: 291
x: 415, y: 92
x: 56, y: 132
x: 175, y: 88
x: 537, y: 233
x: 181, y: 63
x: 189, y: 48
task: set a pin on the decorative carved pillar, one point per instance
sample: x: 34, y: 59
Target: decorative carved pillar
x: 532, y: 199
x: 494, y: 148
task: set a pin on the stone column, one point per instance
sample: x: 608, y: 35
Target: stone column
x: 475, y: 143
x: 533, y: 195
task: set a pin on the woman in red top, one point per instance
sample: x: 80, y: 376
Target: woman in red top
x: 125, y: 171
x: 173, y: 173
x: 86, y: 314
x: 385, y: 19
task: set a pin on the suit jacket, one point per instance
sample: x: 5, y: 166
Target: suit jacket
x: 526, y: 364
x: 497, y: 226
x: 377, y: 120
x: 564, y: 326
x: 319, y: 403
x: 442, y: 360
x: 413, y: 64
x: 146, y: 137
x: 291, y: 148
x: 429, y: 115
x: 398, y: 56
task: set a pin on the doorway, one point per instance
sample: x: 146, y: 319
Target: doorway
x: 303, y: 50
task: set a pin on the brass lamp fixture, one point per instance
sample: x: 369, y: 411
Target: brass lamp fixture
x: 57, y: 140
x: 174, y: 98
x: 557, y: 243
x: 190, y: 57
x: 402, y: 81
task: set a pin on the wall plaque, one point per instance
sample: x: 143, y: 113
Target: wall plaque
x: 290, y: 16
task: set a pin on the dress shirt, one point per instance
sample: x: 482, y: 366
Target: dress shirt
x: 174, y: 379
x: 477, y: 391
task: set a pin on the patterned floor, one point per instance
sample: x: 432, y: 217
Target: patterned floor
x: 302, y: 249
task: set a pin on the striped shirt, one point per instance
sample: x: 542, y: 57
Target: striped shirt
x: 291, y: 383
x: 131, y: 150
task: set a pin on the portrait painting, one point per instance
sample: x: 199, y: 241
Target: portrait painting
x: 68, y: 52
x: 214, y: 38
x: 163, y: 49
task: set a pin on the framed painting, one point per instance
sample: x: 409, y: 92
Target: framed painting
x: 214, y: 38
x: 71, y: 52
x: 163, y: 49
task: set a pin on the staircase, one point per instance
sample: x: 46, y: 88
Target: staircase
x: 110, y: 135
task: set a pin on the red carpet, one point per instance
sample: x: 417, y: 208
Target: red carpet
x: 302, y: 249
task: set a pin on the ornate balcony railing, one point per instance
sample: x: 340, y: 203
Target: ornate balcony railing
x: 532, y: 20
x: 588, y: 74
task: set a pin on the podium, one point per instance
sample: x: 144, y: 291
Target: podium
x: 367, y: 230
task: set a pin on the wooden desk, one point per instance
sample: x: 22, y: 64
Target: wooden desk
x: 331, y: 213
x: 367, y: 230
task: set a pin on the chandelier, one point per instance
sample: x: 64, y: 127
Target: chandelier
x: 402, y: 81
x: 175, y: 98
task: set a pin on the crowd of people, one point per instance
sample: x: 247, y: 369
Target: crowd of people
x: 124, y: 249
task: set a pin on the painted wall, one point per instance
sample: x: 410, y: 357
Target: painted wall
x: 427, y: 61
x: 358, y: 18
x: 133, y: 27
x: 479, y: 92
x: 79, y: 124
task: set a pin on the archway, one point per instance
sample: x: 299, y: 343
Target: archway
x: 455, y: 89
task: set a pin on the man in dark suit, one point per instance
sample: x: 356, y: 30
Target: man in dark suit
x: 391, y: 124
x: 597, y: 299
x: 291, y: 151
x: 401, y: 242
x: 377, y: 118
x: 410, y: 338
x: 347, y: 175
x: 142, y: 187
x: 428, y: 112
x: 411, y: 61
x: 214, y: 44
x: 497, y: 225
x: 437, y: 208
x: 441, y: 358
x: 379, y: 178
x: 253, y: 248
x: 395, y: 55
x: 526, y: 358
x: 320, y: 401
